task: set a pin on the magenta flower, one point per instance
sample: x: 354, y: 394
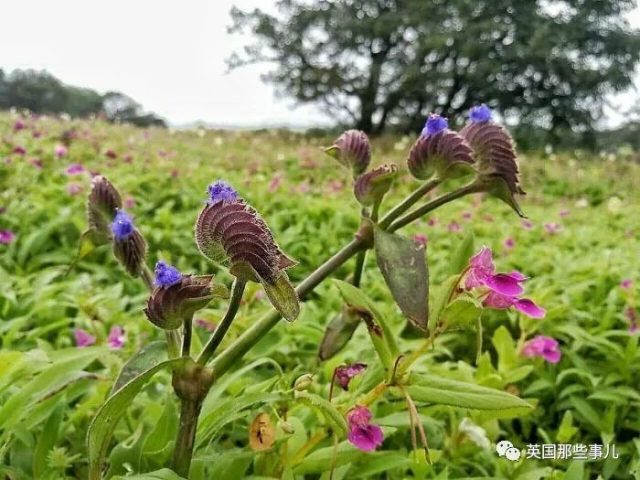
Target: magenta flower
x: 18, y: 150
x: 19, y: 125
x: 420, y: 239
x: 432, y: 222
x: 481, y: 273
x: 83, y: 338
x: 74, y: 169
x: 632, y: 316
x: 467, y: 215
x: 116, y: 337
x: 525, y: 305
x: 60, y: 151
x: 552, y: 228
x: 129, y: 202
x: 206, y: 324
x: 111, y: 154
x: 37, y: 163
x: 363, y: 435
x: 509, y: 243
x: 6, y: 237
x: 275, y: 182
x: 454, y: 227
x: 345, y: 373
x: 74, y: 188
x: 564, y: 213
x: 527, y: 224
x: 626, y: 283
x: 541, y: 346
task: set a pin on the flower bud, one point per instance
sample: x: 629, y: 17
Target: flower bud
x: 129, y: 246
x: 230, y: 232
x: 370, y: 187
x: 495, y: 156
x: 177, y: 297
x: 103, y: 202
x: 353, y: 150
x: 303, y: 382
x: 439, y: 151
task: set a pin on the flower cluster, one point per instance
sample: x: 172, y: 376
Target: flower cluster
x: 502, y: 290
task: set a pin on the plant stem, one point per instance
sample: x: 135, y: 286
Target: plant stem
x: 185, y: 441
x: 186, y: 336
x: 408, y: 202
x: 432, y: 205
x: 225, y: 323
x: 357, y: 273
x: 254, y: 334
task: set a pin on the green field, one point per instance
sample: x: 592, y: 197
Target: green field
x: 50, y: 389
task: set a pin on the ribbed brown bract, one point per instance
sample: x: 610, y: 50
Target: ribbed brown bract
x: 445, y: 154
x: 494, y: 152
x: 370, y: 187
x: 168, y: 307
x: 353, y: 150
x: 103, y: 202
x: 131, y: 252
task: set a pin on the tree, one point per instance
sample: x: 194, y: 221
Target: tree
x: 381, y: 63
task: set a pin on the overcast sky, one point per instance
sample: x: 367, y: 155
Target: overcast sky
x: 169, y: 55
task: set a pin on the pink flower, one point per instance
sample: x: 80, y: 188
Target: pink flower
x: 363, y: 435
x: 36, y: 134
x: 74, y: 169
x: 345, y: 373
x: 509, y: 243
x: 18, y: 150
x: 6, y: 237
x: 128, y: 158
x: 304, y: 187
x: 19, y: 125
x: 111, y: 154
x: 129, y: 203
x: 206, y: 324
x: 552, y: 228
x: 527, y: 224
x: 37, y: 163
x: 74, y: 188
x: 564, y: 213
x: 336, y: 186
x: 626, y: 283
x: 420, y: 239
x: 481, y: 273
x: 60, y: 151
x: 454, y: 227
x: 83, y: 338
x: 467, y: 215
x: 432, y: 222
x: 116, y: 337
x: 275, y: 183
x: 524, y: 305
x: 541, y: 346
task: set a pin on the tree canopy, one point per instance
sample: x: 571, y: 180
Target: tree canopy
x: 381, y: 63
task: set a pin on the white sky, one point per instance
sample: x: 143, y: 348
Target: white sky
x: 168, y: 55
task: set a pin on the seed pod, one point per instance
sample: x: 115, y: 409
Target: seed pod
x: 102, y: 204
x: 370, y: 187
x: 129, y: 246
x: 230, y: 232
x: 444, y: 154
x: 353, y: 150
x: 168, y: 306
x: 495, y: 156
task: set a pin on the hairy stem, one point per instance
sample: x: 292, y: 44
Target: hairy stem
x: 254, y: 334
x: 185, y: 441
x: 225, y: 323
x: 408, y: 202
x: 186, y: 336
x: 432, y: 205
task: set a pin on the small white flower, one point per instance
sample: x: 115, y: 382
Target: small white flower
x: 476, y: 434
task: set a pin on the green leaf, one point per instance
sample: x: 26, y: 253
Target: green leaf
x: 48, y: 438
x: 283, y: 297
x: 102, y: 427
x: 462, y: 254
x: 505, y: 345
x: 338, y: 333
x: 164, y: 474
x: 403, y: 264
x: 321, y: 460
x: 444, y: 391
x: 325, y: 407
x: 150, y: 355
x: 441, y: 298
x: 566, y: 430
x: 462, y: 312
x: 575, y: 471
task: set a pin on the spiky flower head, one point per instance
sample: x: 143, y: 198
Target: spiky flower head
x: 370, y: 187
x: 230, y: 232
x: 480, y: 113
x: 495, y: 155
x: 353, y: 150
x: 129, y: 246
x: 173, y: 302
x: 440, y: 152
x: 102, y: 204
x: 166, y: 275
x: 221, y: 191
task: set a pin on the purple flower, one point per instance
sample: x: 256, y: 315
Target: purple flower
x: 362, y: 434
x: 552, y: 228
x: 221, y: 190
x: 116, y: 337
x: 60, y: 151
x: 6, y: 237
x: 111, y: 154
x: 525, y: 305
x: 632, y: 316
x: 420, y: 239
x: 626, y: 283
x: 83, y: 338
x: 74, y: 169
x: 481, y: 273
x: 345, y: 373
x: 509, y: 243
x: 541, y: 346
x: 122, y: 226
x: 454, y: 227
x: 527, y: 224
x: 74, y: 188
x: 564, y: 213
x: 166, y: 275
x: 435, y: 124
x: 129, y: 202
x: 36, y: 162
x: 480, y: 113
x: 18, y: 150
x: 19, y: 125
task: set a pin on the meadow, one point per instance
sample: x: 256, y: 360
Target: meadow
x: 66, y: 331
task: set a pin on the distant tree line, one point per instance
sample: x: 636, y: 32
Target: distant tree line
x: 41, y: 92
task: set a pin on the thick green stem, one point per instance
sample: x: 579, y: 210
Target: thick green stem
x: 186, y: 336
x: 408, y: 202
x: 185, y: 441
x: 254, y: 334
x: 432, y: 205
x: 225, y: 323
x: 357, y: 273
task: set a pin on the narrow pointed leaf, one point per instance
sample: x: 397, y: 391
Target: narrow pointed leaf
x: 462, y: 254
x: 149, y: 356
x: 283, y: 297
x: 403, y: 264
